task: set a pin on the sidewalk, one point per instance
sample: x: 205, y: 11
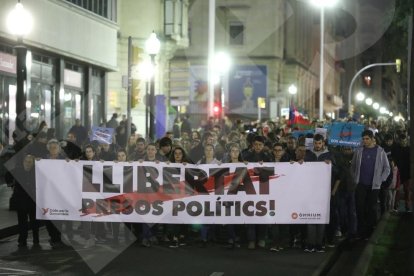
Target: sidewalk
x: 8, y: 219
x: 389, y: 247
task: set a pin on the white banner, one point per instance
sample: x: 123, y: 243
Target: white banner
x: 231, y: 193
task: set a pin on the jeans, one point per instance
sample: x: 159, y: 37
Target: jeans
x: 347, y: 213
x: 366, y: 207
x: 256, y: 232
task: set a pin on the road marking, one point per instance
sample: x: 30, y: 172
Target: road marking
x: 217, y: 274
x: 16, y: 270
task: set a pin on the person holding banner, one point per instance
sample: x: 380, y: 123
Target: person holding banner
x: 298, y: 231
x: 147, y: 235
x: 89, y: 228
x: 208, y: 158
x: 140, y: 150
x: 316, y: 232
x: 54, y: 227
x: 121, y: 156
x: 289, y: 153
x: 257, y: 232
x: 164, y: 152
x: 177, y: 232
x: 278, y: 230
x: 233, y: 156
x: 24, y: 193
x: 370, y: 167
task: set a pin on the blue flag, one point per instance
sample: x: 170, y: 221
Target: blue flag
x: 102, y: 134
x: 346, y: 134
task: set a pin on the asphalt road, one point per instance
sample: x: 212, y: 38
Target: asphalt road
x: 132, y: 259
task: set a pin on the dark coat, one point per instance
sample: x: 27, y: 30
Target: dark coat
x: 24, y: 188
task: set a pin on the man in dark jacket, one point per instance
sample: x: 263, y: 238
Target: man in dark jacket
x: 24, y: 193
x: 80, y: 132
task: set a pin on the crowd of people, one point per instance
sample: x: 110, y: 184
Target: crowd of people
x: 366, y: 181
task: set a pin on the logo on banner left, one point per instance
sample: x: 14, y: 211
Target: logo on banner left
x: 55, y: 212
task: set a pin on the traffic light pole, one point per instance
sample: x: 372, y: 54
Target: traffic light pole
x: 358, y: 73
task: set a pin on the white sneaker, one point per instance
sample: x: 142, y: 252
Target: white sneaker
x: 89, y: 243
x: 261, y: 243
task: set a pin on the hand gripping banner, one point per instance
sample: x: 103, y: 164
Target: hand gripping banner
x: 229, y: 193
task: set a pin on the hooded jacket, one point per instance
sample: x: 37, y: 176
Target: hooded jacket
x: 381, y: 170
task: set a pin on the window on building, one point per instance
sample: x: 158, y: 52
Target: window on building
x: 236, y: 33
x: 174, y: 11
x: 6, y: 49
x: 104, y: 8
x: 169, y: 17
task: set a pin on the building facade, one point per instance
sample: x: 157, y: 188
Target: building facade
x: 72, y: 46
x: 138, y: 19
x: 272, y: 45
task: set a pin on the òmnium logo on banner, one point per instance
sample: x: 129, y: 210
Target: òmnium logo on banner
x: 312, y: 216
x: 55, y: 212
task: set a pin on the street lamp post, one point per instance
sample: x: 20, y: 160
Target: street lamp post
x: 19, y: 23
x: 152, y: 46
x: 129, y: 91
x: 322, y: 4
x: 321, y: 72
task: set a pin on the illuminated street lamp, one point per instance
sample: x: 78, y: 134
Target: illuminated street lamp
x: 375, y: 106
x: 322, y: 4
x: 19, y: 23
x: 293, y: 89
x: 368, y: 101
x: 152, y: 46
x: 360, y: 96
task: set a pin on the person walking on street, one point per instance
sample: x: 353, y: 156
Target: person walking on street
x: 370, y: 167
x: 402, y: 158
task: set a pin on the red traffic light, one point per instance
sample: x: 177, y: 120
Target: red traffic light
x: 217, y: 109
